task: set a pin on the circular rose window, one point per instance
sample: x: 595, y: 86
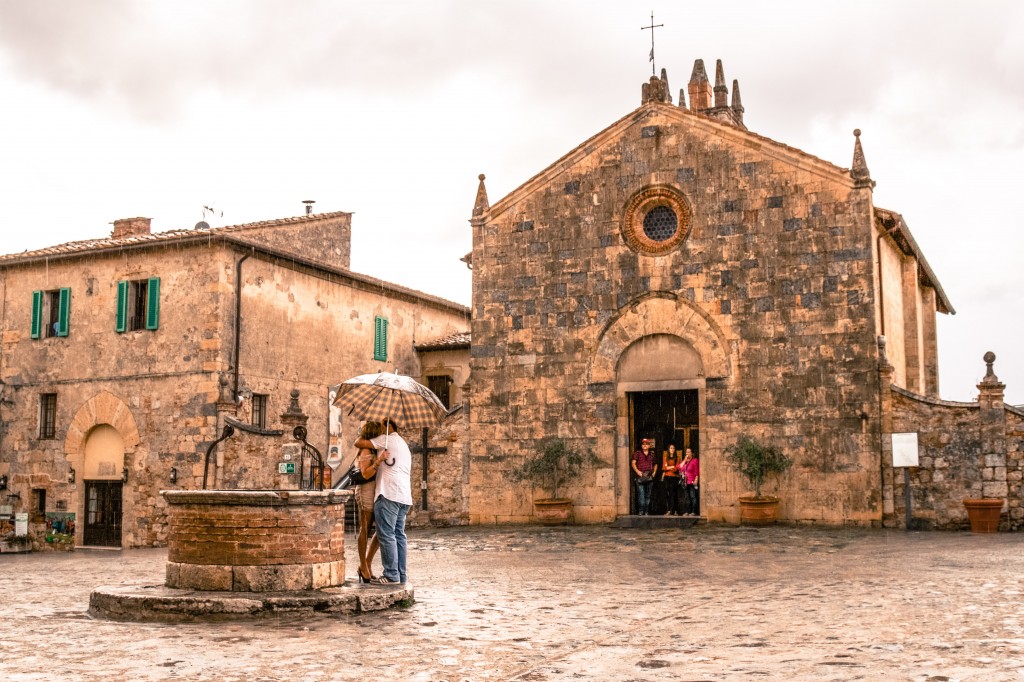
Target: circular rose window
x: 656, y: 220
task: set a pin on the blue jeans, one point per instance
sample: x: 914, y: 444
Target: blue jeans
x: 390, y: 519
x: 643, y: 495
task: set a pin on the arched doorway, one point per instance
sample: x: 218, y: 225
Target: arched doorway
x: 662, y: 377
x: 103, y: 471
x: 696, y: 353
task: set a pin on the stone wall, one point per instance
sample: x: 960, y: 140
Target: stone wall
x: 966, y: 450
x: 447, y: 475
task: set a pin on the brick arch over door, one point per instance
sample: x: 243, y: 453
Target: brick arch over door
x: 661, y: 315
x: 102, y: 408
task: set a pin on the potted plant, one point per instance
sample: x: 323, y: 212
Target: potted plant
x: 755, y: 462
x: 983, y: 513
x: 554, y: 464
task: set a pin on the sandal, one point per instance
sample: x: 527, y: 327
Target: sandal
x: 364, y: 579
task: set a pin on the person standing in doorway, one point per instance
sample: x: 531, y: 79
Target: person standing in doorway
x: 393, y: 500
x: 670, y: 478
x: 644, y: 468
x: 691, y: 477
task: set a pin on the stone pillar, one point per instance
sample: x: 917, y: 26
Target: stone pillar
x: 291, y: 449
x: 992, y: 429
x: 885, y: 374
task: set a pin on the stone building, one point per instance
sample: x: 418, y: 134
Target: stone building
x: 680, y: 277
x: 122, y: 359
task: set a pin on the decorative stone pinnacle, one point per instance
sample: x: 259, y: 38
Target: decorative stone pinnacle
x: 859, y: 170
x: 293, y: 407
x: 990, y: 375
x: 481, y: 204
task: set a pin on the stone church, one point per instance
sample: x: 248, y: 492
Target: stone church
x: 680, y: 277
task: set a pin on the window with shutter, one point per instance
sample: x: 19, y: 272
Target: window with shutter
x: 138, y: 304
x: 63, y: 311
x: 51, y: 312
x: 121, y: 316
x: 37, y: 314
x: 380, y: 338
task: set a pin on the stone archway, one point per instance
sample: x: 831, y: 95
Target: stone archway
x: 100, y: 443
x: 661, y: 314
x: 658, y: 331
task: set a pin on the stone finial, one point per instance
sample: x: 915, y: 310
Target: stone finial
x: 859, y: 170
x: 481, y: 204
x: 655, y: 90
x: 668, y: 90
x: 721, y: 92
x: 990, y: 376
x: 737, y: 104
x: 883, y: 359
x: 293, y: 407
x: 682, y: 98
x: 699, y: 87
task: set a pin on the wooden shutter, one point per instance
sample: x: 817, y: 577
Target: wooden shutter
x: 380, y: 338
x: 153, y: 303
x: 121, y: 317
x: 64, y: 311
x: 37, y: 314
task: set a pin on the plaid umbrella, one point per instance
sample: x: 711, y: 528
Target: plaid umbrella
x: 407, y: 402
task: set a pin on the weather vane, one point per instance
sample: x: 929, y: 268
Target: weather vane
x: 652, y: 27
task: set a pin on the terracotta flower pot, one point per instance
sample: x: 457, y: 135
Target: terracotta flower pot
x: 556, y: 512
x: 983, y: 513
x: 759, y: 511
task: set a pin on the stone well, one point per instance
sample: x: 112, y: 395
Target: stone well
x: 255, y: 540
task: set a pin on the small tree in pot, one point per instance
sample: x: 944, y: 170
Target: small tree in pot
x: 755, y: 461
x: 554, y: 465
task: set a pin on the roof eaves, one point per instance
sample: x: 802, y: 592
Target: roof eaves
x: 900, y: 232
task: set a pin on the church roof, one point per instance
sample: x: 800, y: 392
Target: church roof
x: 456, y: 341
x: 895, y: 226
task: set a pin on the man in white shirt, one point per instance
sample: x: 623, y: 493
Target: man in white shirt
x: 392, y: 499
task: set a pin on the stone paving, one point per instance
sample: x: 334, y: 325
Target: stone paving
x: 578, y: 603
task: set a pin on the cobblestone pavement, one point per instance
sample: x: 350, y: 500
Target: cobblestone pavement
x: 579, y: 603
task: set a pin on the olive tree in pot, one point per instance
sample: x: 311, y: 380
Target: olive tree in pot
x: 553, y: 466
x: 756, y: 461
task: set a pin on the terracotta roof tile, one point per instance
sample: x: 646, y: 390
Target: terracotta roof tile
x: 455, y: 341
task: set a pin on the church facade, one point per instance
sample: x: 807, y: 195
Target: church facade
x: 681, y: 278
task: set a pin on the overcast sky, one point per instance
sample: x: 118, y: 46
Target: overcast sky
x: 113, y: 109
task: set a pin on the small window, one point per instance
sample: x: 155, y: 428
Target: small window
x: 50, y: 313
x: 39, y: 501
x: 380, y: 338
x: 439, y: 384
x: 48, y: 415
x: 259, y: 410
x: 138, y: 304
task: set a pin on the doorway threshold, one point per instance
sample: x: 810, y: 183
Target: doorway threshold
x: 636, y: 521
x: 101, y: 548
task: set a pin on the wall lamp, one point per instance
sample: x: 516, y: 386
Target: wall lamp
x: 71, y: 475
x: 124, y: 475
x: 174, y: 474
x: 3, y: 482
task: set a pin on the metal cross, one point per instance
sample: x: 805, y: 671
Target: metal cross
x: 652, y: 27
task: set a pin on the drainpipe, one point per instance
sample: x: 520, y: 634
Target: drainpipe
x: 238, y: 319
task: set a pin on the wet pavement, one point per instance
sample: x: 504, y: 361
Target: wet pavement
x: 578, y: 603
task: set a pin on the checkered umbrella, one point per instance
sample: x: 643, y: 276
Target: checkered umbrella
x: 374, y: 397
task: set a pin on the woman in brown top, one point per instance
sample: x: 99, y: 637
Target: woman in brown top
x: 364, y: 502
x: 670, y: 461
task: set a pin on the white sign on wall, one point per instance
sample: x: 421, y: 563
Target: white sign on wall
x: 904, y: 450
x: 21, y: 524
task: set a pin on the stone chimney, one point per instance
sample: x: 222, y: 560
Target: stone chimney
x: 130, y: 227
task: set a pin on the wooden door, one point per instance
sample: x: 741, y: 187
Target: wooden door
x: 103, y: 513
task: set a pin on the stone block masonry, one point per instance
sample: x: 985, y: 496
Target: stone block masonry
x: 255, y: 540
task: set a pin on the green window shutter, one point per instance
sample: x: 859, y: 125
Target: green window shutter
x: 121, y: 318
x: 37, y: 314
x: 64, y: 311
x: 380, y: 338
x: 153, y: 303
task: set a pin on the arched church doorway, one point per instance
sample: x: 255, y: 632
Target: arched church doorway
x: 661, y: 377
x: 103, y: 473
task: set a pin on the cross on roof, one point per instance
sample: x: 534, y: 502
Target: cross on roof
x: 652, y: 27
